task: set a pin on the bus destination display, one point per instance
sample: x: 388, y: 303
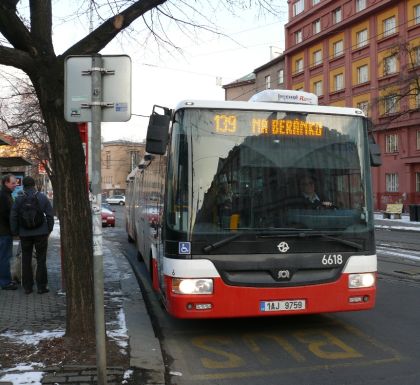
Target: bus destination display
x: 228, y: 124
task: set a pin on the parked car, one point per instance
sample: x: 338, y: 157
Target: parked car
x: 116, y: 200
x: 108, y: 218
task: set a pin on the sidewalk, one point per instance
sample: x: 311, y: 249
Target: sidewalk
x: 27, y: 319
x: 403, y: 224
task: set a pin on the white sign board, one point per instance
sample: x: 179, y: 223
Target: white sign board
x: 116, y: 88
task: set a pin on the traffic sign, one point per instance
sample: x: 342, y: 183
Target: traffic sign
x: 116, y: 88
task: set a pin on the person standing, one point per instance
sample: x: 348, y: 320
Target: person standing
x: 8, y: 184
x: 32, y: 219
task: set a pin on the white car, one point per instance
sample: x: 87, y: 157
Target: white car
x: 116, y: 200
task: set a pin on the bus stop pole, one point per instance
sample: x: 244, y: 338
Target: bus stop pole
x: 98, y: 271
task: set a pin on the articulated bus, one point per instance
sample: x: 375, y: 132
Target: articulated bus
x: 218, y: 212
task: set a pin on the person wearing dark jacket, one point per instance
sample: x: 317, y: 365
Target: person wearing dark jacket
x: 33, y: 237
x: 310, y: 199
x: 8, y: 183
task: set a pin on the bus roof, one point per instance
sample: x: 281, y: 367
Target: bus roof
x: 268, y: 106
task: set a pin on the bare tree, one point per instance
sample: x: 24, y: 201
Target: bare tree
x: 21, y: 117
x: 401, y: 95
x: 28, y: 46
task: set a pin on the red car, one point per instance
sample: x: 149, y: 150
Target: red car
x: 108, y: 218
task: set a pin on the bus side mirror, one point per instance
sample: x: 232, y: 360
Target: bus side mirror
x: 374, y: 149
x: 375, y: 153
x: 158, y: 131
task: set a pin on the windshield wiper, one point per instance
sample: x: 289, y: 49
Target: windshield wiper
x: 344, y: 241
x: 309, y: 233
x: 243, y: 230
x: 216, y: 245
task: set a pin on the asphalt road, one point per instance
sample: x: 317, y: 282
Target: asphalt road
x: 370, y: 348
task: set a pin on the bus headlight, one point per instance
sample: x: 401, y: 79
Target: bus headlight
x: 192, y: 286
x: 361, y: 280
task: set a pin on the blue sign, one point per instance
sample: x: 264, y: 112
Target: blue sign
x: 184, y: 248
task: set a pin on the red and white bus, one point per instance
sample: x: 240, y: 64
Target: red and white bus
x: 216, y: 208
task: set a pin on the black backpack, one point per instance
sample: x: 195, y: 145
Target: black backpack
x: 30, y: 214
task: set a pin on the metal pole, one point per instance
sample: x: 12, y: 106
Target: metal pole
x: 98, y: 272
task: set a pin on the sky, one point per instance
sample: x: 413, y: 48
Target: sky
x: 164, y: 76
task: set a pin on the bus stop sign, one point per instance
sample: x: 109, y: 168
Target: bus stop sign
x: 116, y: 88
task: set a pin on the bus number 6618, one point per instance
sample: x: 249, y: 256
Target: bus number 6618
x: 332, y: 259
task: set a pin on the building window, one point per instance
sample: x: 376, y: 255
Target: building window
x: 298, y: 7
x: 417, y: 181
x: 267, y: 82
x: 337, y: 16
x: 318, y: 88
x: 391, y: 104
x: 360, y: 5
x: 389, y: 26
x: 298, y: 36
x: 391, y: 182
x: 363, y: 74
x: 390, y: 65
x: 338, y: 82
x: 299, y: 65
x: 418, y: 140
x: 280, y: 76
x: 338, y: 48
x: 364, y: 106
x: 417, y: 98
x: 415, y: 56
x: 316, y: 26
x: 108, y: 159
x: 417, y: 14
x: 391, y: 143
x: 315, y: 2
x: 317, y: 57
x: 361, y: 38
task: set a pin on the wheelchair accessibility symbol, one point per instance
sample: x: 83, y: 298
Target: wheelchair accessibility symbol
x: 184, y: 248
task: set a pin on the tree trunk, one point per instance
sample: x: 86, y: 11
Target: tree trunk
x: 71, y: 199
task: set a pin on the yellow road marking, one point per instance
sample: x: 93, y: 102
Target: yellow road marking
x: 288, y: 347
x: 324, y: 345
x: 267, y: 373
x: 231, y: 361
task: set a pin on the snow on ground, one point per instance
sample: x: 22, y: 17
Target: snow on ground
x: 397, y: 224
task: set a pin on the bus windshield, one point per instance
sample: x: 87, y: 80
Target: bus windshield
x: 267, y: 171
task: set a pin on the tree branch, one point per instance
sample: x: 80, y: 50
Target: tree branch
x: 16, y: 58
x: 12, y: 27
x: 102, y: 35
x: 41, y: 25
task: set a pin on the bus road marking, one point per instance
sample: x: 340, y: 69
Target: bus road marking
x: 249, y: 340
x: 318, y: 346
x: 215, y: 353
x: 267, y: 372
x: 233, y: 360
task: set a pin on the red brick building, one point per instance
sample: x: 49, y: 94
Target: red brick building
x: 366, y: 54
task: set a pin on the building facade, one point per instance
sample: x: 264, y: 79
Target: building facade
x: 365, y: 54
x: 268, y: 76
x: 118, y: 159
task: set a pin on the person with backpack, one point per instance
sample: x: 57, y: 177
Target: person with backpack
x: 8, y: 184
x: 32, y: 219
